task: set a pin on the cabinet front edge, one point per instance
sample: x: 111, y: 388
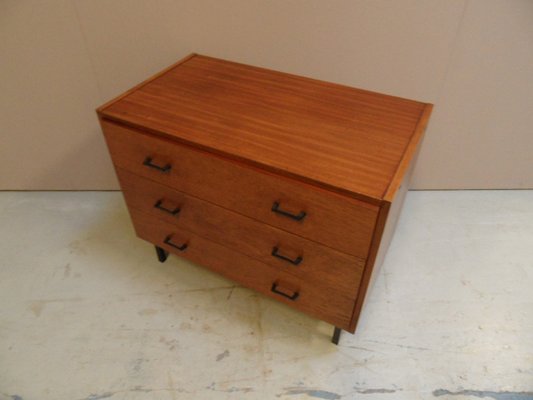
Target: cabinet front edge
x: 370, y: 263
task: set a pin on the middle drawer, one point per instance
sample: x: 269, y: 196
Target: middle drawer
x: 288, y: 252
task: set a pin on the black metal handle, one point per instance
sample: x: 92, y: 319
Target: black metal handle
x: 179, y: 247
x: 297, y: 217
x: 165, y: 169
x: 159, y: 205
x: 296, y: 261
x: 275, y: 290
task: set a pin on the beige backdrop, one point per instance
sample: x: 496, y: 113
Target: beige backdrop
x: 473, y: 59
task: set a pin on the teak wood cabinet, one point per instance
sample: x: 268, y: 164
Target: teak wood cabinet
x: 287, y: 185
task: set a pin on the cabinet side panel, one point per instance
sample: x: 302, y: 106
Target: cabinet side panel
x: 386, y: 224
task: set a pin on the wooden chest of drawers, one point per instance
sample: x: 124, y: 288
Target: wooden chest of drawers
x: 286, y: 185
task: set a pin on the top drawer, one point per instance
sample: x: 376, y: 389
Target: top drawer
x: 339, y: 222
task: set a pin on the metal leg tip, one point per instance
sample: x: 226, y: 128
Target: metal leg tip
x: 162, y: 254
x: 336, y: 336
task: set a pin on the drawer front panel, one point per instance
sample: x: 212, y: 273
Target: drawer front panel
x: 280, y: 249
x: 321, y: 301
x: 337, y: 221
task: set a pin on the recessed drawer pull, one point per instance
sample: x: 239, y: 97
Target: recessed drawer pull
x: 296, y: 261
x: 297, y: 217
x: 159, y: 205
x: 165, y: 169
x: 179, y: 247
x: 292, y: 297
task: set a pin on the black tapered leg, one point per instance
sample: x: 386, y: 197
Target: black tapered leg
x: 162, y: 254
x: 336, y: 336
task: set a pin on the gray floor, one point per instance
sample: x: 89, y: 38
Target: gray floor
x: 88, y: 313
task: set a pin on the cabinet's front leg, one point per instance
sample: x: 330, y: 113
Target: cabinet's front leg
x: 336, y: 336
x: 162, y: 254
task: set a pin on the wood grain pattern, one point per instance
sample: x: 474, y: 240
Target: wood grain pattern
x: 409, y: 156
x: 337, y: 221
x: 318, y: 300
x: 340, y: 138
x: 320, y: 264
x: 136, y: 87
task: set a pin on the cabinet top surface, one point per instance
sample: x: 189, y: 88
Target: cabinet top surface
x: 345, y: 139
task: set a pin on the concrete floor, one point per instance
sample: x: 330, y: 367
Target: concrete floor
x: 86, y: 311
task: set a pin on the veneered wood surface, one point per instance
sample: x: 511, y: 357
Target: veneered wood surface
x: 318, y: 300
x: 136, y: 87
x: 345, y: 139
x: 319, y: 264
x: 409, y: 156
x: 337, y: 221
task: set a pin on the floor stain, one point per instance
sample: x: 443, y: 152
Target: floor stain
x: 371, y: 391
x: 171, y: 343
x: 148, y: 311
x: 99, y: 396
x: 77, y: 247
x: 37, y: 306
x: 401, y: 346
x: 137, y: 365
x: 236, y: 389
x: 171, y: 385
x: 361, y: 348
x: 468, y: 284
x: 244, y: 390
x: 205, y: 290
x: 524, y: 371
x: 136, y: 389
x: 230, y: 293
x: 186, y: 326
x: 486, y: 393
x: 223, y: 355
x: 319, y: 394
x: 67, y: 271
x: 232, y: 389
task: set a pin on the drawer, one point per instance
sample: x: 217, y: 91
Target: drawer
x: 280, y: 249
x: 337, y: 221
x: 322, y: 301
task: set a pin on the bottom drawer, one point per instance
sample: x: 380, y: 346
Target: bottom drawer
x: 321, y: 301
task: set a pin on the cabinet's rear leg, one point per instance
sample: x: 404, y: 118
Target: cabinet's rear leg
x: 336, y: 335
x: 162, y: 254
